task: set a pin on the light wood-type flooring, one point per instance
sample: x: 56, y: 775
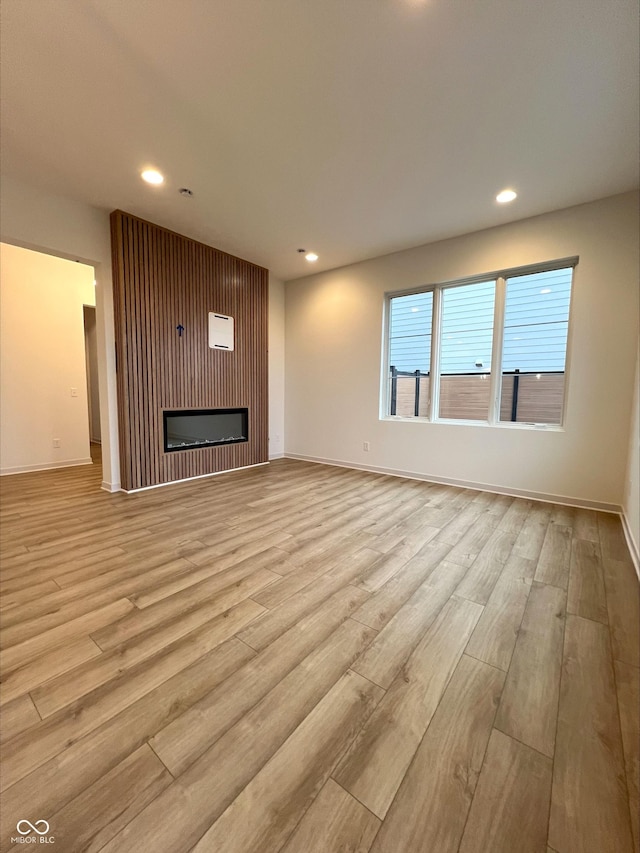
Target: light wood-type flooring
x: 311, y: 659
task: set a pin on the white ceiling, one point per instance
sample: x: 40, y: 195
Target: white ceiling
x: 351, y: 127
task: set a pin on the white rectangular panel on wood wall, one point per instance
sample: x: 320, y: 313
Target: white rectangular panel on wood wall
x: 221, y: 332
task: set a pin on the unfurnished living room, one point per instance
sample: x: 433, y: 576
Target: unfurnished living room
x: 320, y: 487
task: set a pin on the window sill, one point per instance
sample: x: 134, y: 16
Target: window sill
x: 460, y: 422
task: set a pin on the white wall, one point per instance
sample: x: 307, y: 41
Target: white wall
x: 35, y: 219
x: 333, y: 360
x: 276, y: 368
x: 42, y: 358
x: 632, y: 490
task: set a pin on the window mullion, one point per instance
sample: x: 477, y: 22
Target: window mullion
x: 434, y: 383
x: 496, y: 352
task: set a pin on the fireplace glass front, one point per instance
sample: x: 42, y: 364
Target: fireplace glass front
x: 187, y: 429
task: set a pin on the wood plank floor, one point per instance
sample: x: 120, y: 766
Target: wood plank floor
x: 307, y: 658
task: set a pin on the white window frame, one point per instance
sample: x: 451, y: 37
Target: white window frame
x: 493, y: 419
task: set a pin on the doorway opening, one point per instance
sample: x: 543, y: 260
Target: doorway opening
x: 48, y: 347
x: 91, y: 360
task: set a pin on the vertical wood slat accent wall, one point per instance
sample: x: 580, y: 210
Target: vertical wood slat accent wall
x: 161, y: 280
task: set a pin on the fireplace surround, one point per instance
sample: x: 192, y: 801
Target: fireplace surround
x: 190, y: 429
x: 165, y: 287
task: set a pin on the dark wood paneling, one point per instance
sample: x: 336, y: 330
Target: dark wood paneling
x: 162, y: 279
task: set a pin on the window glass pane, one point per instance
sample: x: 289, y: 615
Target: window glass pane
x: 466, y: 343
x: 535, y: 347
x: 410, y: 323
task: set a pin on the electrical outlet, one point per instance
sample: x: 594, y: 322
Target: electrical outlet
x: 56, y: 442
x: 74, y: 392
x: 366, y: 445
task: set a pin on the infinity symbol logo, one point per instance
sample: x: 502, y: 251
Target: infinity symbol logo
x: 32, y: 827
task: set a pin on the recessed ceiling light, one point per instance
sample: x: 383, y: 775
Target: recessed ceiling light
x: 546, y: 290
x: 506, y: 196
x: 311, y: 257
x: 152, y: 176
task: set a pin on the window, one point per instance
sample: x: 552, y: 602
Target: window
x: 536, y: 322
x: 466, y: 344
x: 410, y: 353
x: 491, y: 350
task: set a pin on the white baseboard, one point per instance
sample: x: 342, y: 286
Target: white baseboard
x: 631, y: 543
x: 466, y: 484
x: 45, y: 466
x: 189, y: 479
x: 110, y: 487
x: 276, y: 456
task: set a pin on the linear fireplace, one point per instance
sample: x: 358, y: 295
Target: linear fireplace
x: 188, y: 429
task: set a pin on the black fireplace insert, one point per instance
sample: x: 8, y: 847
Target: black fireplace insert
x: 189, y: 429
